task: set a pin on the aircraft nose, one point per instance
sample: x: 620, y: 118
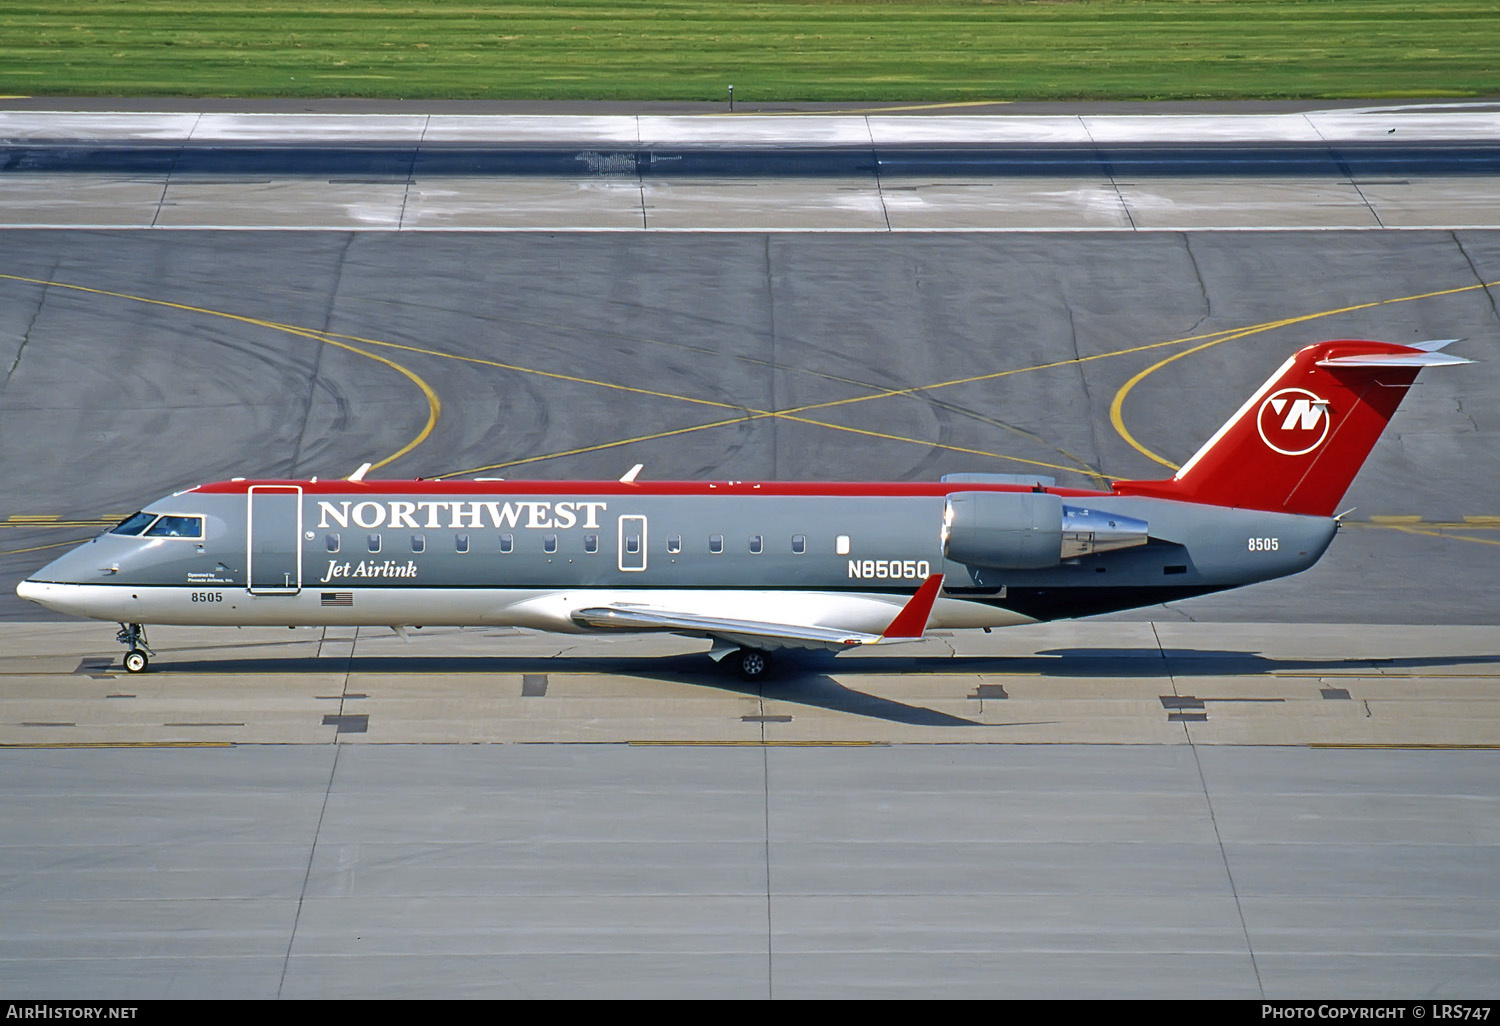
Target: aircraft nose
x: 82, y: 565
x: 40, y: 592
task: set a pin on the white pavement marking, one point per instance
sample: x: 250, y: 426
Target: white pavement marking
x: 1453, y: 123
x: 596, y: 199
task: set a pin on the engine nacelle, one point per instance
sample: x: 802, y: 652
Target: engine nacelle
x: 1031, y: 530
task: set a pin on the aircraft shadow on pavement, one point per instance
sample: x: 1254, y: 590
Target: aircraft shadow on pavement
x: 810, y: 678
x: 1093, y: 662
x: 801, y: 684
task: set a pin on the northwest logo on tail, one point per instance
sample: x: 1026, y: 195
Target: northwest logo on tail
x: 1293, y: 421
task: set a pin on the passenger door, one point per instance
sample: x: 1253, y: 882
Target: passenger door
x: 273, y: 534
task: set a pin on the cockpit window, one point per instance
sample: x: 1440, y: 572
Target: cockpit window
x: 176, y: 527
x: 133, y: 524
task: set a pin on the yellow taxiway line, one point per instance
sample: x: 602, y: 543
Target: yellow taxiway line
x: 434, y: 405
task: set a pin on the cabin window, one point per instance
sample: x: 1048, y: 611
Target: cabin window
x: 799, y: 543
x: 331, y: 542
x: 507, y: 543
x: 716, y: 543
x: 757, y: 543
x: 549, y: 543
x: 674, y: 543
x: 632, y: 543
x: 841, y: 545
x: 591, y: 543
x: 176, y: 527
x: 419, y: 543
x: 461, y: 543
x: 373, y: 543
x: 133, y: 524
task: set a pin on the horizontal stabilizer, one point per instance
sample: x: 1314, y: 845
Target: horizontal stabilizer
x: 1395, y: 360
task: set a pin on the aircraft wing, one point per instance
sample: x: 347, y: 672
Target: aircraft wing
x: 908, y: 625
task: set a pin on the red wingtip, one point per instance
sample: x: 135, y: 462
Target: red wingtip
x: 911, y: 622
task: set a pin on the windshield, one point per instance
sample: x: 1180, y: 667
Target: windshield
x: 177, y: 527
x: 133, y: 524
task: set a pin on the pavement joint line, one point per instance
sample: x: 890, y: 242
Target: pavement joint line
x: 759, y: 743
x: 790, y: 743
x: 1401, y: 746
x: 124, y: 744
x: 751, y: 229
x: 1377, y: 675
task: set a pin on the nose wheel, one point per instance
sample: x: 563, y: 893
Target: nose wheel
x: 133, y: 637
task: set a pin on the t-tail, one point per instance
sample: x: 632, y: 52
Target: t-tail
x: 1296, y: 445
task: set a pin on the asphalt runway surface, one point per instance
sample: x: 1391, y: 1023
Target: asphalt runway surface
x: 141, y: 363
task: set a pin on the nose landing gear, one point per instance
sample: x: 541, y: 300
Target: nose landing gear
x: 133, y: 637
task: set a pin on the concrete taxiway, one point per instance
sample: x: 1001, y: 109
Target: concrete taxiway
x: 1063, y: 683
x: 1283, y: 792
x: 1372, y: 167
x: 391, y: 871
x: 1080, y: 810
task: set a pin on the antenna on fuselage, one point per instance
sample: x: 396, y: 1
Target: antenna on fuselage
x: 359, y: 475
x: 629, y: 476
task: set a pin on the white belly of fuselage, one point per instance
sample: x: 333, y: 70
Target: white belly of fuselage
x: 545, y: 610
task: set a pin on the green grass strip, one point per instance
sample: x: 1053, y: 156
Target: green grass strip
x: 830, y: 50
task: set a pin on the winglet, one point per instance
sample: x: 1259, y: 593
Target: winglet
x: 911, y: 622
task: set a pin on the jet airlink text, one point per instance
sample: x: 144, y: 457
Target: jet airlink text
x: 369, y: 568
x: 431, y: 514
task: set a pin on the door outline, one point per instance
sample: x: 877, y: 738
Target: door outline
x: 636, y: 520
x: 290, y: 587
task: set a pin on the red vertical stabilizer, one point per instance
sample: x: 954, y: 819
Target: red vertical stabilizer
x: 1296, y: 445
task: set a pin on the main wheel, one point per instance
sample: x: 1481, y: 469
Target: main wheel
x: 753, y: 663
x: 135, y: 660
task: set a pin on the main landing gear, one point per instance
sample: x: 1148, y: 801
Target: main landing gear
x: 752, y: 663
x: 133, y: 637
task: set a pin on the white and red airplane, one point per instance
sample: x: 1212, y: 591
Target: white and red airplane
x: 753, y: 566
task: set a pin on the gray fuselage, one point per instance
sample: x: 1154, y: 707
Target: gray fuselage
x: 351, y: 551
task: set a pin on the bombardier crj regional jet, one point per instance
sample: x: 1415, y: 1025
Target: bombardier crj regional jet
x: 753, y: 566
